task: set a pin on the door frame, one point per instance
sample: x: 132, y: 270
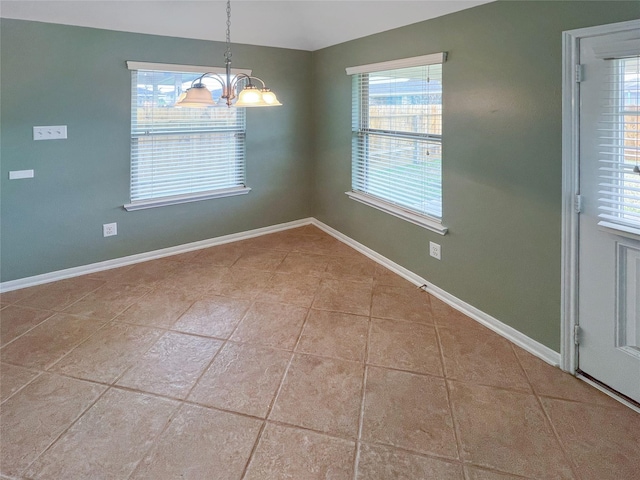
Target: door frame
x: 571, y: 185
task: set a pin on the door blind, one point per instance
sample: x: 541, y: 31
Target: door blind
x: 181, y: 151
x: 397, y: 137
x: 619, y: 204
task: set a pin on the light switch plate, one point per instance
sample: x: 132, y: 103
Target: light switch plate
x: 54, y: 132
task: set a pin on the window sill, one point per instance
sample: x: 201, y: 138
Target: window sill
x: 424, y: 222
x: 162, y: 202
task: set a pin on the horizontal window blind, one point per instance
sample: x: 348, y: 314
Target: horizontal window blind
x: 397, y: 137
x: 619, y: 204
x: 181, y: 151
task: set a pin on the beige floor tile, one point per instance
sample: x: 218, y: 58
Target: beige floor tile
x: 404, y: 345
x: 283, y: 241
x: 304, y: 263
x: 335, y: 334
x: 242, y: 283
x: 15, y: 296
x: 271, y: 324
x: 384, y: 276
x: 401, y: 303
x: 506, y: 431
x: 321, y: 394
x: 59, y: 295
x: 172, y: 366
x: 259, y: 291
x: 15, y: 320
x: 108, y: 353
x: 148, y: 272
x: 192, y: 281
x: 348, y: 278
x: 108, y: 440
x: 260, y: 259
x: 353, y: 265
x: 446, y: 316
x: 483, y: 358
x: 604, y: 442
x: 13, y: 378
x: 325, y: 245
x: 552, y: 382
x: 346, y: 297
x: 47, y: 343
x: 220, y: 255
x: 242, y: 378
x: 291, y: 453
x: 385, y: 463
x: 37, y: 414
x: 475, y: 473
x: 290, y: 288
x: 215, y: 317
x: 408, y: 411
x: 109, y: 300
x: 107, y: 274
x: 201, y: 443
x: 158, y: 308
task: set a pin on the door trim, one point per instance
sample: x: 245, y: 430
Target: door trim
x: 570, y: 183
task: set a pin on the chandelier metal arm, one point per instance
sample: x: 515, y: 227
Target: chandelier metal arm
x: 250, y: 96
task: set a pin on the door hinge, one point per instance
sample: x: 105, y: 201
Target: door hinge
x: 577, y: 203
x: 576, y: 334
x: 579, y: 73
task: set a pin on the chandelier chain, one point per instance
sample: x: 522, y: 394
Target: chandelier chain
x: 227, y: 54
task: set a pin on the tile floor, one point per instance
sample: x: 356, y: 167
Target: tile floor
x: 286, y: 356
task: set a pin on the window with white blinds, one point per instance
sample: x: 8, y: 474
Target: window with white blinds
x: 619, y: 204
x: 397, y: 135
x: 182, y: 154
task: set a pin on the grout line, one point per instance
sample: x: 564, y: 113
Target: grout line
x: 73, y: 422
x: 431, y: 455
x: 547, y: 417
x: 279, y: 389
x: 356, y: 460
x: 38, y: 374
x: 456, y: 427
x: 337, y: 436
x: 53, y: 313
x: 153, y: 442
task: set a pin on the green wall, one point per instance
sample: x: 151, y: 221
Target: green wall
x: 61, y: 75
x: 501, y: 169
x: 502, y: 154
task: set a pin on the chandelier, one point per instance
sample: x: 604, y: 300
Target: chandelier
x: 237, y: 90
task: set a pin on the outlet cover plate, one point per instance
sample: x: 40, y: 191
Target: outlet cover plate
x: 434, y: 250
x: 109, y: 229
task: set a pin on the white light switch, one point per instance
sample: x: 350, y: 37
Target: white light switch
x: 18, y: 174
x: 55, y: 132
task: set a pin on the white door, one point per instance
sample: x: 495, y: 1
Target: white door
x: 609, y: 225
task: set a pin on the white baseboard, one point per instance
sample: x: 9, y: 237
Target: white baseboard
x: 530, y: 345
x: 520, y: 339
x: 146, y: 256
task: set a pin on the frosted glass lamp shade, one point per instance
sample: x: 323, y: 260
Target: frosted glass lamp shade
x: 270, y: 98
x: 197, y: 96
x: 250, y: 97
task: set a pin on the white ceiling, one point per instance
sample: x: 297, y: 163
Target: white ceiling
x: 298, y: 24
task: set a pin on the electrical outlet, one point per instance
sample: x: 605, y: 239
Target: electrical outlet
x: 434, y: 250
x: 109, y: 229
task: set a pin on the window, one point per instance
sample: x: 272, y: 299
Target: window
x: 397, y: 138
x: 620, y: 147
x: 181, y: 154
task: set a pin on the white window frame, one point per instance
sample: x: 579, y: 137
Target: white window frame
x: 196, y: 196
x: 429, y: 222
